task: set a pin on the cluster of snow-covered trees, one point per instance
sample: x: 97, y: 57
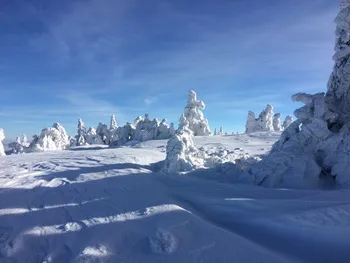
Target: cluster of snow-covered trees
x: 267, y: 121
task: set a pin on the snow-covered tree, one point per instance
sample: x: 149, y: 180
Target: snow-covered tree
x: 265, y: 119
x: 104, y: 133
x: 221, y: 131
x: 194, y: 115
x: 215, y: 132
x: 263, y: 123
x: 51, y: 139
x: 16, y: 146
x: 122, y: 135
x: 92, y: 137
x: 2, y: 137
x: 146, y: 129
x: 81, y: 133
x: 163, y: 130
x: 251, y: 125
x: 181, y: 154
x: 25, y: 142
x: 338, y: 95
x: 172, y: 130
x: 113, y: 123
x: 287, y: 121
x: 314, y: 149
x: 277, y: 122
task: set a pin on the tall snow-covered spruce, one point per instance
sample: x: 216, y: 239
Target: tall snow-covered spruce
x: 314, y: 150
x: 113, y: 123
x: 81, y: 133
x: 2, y: 137
x: 195, y: 117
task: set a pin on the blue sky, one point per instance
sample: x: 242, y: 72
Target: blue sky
x: 69, y: 59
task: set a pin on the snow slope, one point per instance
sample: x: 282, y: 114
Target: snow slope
x: 110, y: 205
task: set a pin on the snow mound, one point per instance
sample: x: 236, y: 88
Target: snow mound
x: 194, y: 115
x: 163, y: 242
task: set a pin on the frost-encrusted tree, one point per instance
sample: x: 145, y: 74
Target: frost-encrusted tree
x: 172, y: 130
x: 51, y: 139
x: 122, y: 135
x: 24, y: 141
x: 92, y: 137
x: 103, y: 131
x: 146, y: 129
x: 215, y: 132
x: 163, y: 130
x: 194, y: 115
x: 251, y: 125
x: 287, y: 121
x: 263, y: 123
x: 81, y: 133
x: 113, y: 123
x: 277, y: 122
x: 338, y: 95
x: 2, y: 137
x: 265, y: 119
x: 181, y: 154
x: 314, y: 149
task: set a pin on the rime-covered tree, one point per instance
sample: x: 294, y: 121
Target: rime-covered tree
x: 251, y: 125
x: 172, y: 130
x: 81, y: 133
x: 181, y: 154
x: 113, y: 123
x: 215, y: 132
x: 338, y: 95
x: 2, y: 137
x: 92, y: 137
x: 194, y: 115
x: 103, y: 131
x: 277, y: 122
x: 51, y: 139
x: 287, y: 121
x: 314, y: 149
x: 163, y: 130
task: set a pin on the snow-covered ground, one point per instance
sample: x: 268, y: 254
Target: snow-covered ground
x: 111, y: 205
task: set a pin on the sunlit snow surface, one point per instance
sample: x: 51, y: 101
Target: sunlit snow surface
x: 110, y: 205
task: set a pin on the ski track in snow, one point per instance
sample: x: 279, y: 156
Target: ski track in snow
x: 107, y: 205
